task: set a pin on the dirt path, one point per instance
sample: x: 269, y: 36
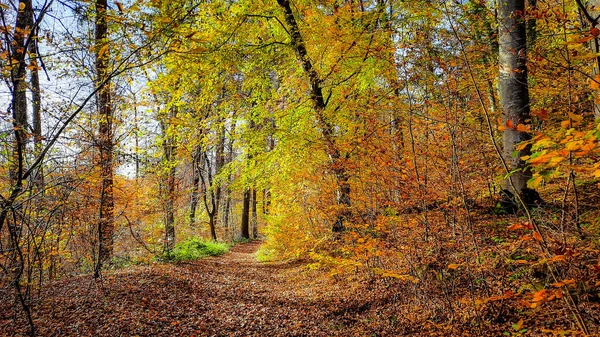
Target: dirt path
x: 230, y: 295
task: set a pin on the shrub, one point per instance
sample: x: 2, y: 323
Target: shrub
x: 196, y: 248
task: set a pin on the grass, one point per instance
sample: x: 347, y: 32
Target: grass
x: 196, y: 248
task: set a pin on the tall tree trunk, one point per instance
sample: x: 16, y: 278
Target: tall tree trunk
x: 228, y: 231
x: 327, y: 129
x: 106, y: 223
x: 169, y: 148
x: 254, y: 216
x: 219, y: 163
x: 195, y: 185
x: 22, y: 40
x: 246, y: 215
x: 170, y: 211
x: 513, y: 90
x: 38, y: 178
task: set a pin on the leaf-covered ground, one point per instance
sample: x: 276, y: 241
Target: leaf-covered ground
x: 230, y: 295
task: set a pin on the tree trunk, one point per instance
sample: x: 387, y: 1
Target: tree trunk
x: 327, y: 129
x: 228, y: 232
x: 169, y: 148
x: 246, y: 215
x: 22, y: 39
x: 195, y: 185
x: 105, y: 142
x: 513, y: 90
x: 38, y: 178
x: 254, y: 216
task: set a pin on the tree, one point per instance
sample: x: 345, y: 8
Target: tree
x: 326, y: 128
x: 169, y: 144
x: 246, y: 214
x: 106, y: 222
x: 513, y: 92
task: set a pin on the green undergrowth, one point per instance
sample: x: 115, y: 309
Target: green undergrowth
x: 196, y: 248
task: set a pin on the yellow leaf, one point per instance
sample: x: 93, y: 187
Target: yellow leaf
x: 565, y: 124
x: 572, y: 146
x: 21, y: 6
x: 102, y: 50
x: 453, y: 266
x: 535, y: 182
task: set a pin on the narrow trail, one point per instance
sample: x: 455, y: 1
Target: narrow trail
x: 229, y: 295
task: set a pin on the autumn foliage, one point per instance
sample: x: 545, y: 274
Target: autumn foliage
x: 361, y: 138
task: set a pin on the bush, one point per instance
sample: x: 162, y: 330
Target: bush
x: 196, y: 248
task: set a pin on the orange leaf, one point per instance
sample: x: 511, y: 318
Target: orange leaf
x: 576, y: 118
x: 595, y: 82
x: 515, y: 226
x: 558, y: 293
x: 595, y: 31
x: 537, y: 236
x: 539, y: 296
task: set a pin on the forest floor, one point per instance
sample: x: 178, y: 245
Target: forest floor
x: 229, y: 295
x: 235, y: 295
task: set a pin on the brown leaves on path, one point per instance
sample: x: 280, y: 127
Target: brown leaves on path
x: 230, y: 295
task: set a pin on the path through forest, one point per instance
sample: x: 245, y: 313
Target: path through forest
x: 230, y: 295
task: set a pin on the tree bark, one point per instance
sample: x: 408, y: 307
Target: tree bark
x: 513, y: 90
x: 195, y: 185
x: 246, y: 215
x: 22, y: 39
x: 169, y: 148
x: 254, y: 216
x: 105, y: 142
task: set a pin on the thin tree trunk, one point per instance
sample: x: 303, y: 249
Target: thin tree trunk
x: 105, y: 114
x: 246, y: 215
x: 254, y: 216
x: 228, y: 232
x: 195, y: 185
x: 169, y: 148
x: 38, y: 178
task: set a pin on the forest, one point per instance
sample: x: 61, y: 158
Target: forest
x: 300, y: 168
